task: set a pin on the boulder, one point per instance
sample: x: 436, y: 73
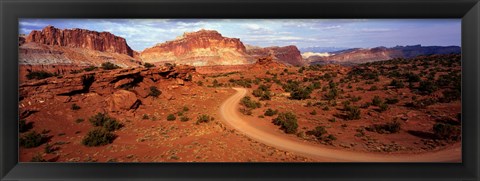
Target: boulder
x: 123, y: 100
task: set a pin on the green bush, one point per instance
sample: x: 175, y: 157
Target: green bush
x: 145, y: 116
x: 249, y: 103
x: 90, y: 68
x: 383, y: 107
x: 184, y: 119
x: 376, y: 101
x: 38, y: 158
x: 204, y: 119
x: 154, y: 92
x: 98, y: 137
x: 427, y: 87
x: 75, y: 107
x: 300, y: 93
x: 148, y: 65
x: 313, y: 112
x: 79, y: 120
x: 32, y: 139
x: 23, y: 126
x: 39, y: 75
x: 270, y: 112
x: 103, y: 120
x: 109, y: 66
x: 387, y: 128
x: 352, y: 113
x: 397, y: 83
x: 318, y: 132
x: 171, y: 117
x: 446, y: 131
x: 287, y: 122
x: 391, y: 100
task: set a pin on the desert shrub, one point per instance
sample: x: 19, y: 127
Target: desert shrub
x: 332, y: 94
x: 427, y: 87
x: 39, y: 75
x: 75, y: 107
x: 373, y: 88
x: 38, y: 158
x: 145, y: 116
x: 270, y: 112
x: 90, y: 68
x: 383, y: 107
x: 326, y: 108
x: 154, y: 92
x: 313, y: 112
x: 411, y: 77
x: 245, y: 111
x: 148, y: 65
x: 171, y: 117
x: 355, y: 99
x: 318, y: 132
x: 365, y: 105
x: 249, y: 103
x: 330, y: 137
x: 287, y: 122
x: 397, y: 83
x: 204, y: 119
x: 48, y: 148
x: 112, y: 125
x: 109, y: 66
x: 103, y: 120
x: 300, y: 93
x: 23, y: 126
x: 32, y: 139
x: 387, y: 128
x: 450, y: 95
x: 422, y: 103
x: 79, y: 120
x: 199, y: 83
x: 376, y: 101
x: 98, y: 137
x: 263, y: 92
x: 185, y: 109
x: 184, y: 119
x: 391, y: 100
x: 446, y: 131
x: 352, y: 113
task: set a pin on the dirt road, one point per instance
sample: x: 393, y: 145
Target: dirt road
x: 230, y: 114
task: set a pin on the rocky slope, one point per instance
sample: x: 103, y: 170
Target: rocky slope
x: 201, y: 48
x: 360, y: 55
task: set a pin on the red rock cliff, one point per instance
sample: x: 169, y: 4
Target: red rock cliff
x: 204, y: 47
x: 81, y: 38
x: 287, y: 54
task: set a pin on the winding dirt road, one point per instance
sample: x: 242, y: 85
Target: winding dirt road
x: 230, y: 114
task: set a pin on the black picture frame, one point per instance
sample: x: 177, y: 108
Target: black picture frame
x: 11, y: 11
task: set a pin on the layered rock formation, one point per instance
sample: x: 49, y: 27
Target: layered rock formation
x: 108, y: 84
x: 287, y: 54
x: 201, y: 48
x: 359, y: 55
x: 80, y: 38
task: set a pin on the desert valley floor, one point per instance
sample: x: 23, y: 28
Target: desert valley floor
x: 399, y: 110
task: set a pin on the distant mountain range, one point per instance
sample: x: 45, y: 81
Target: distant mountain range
x: 321, y: 49
x: 363, y: 55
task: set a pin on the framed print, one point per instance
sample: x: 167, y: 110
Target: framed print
x: 239, y: 90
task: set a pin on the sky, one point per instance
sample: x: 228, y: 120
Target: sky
x: 350, y: 33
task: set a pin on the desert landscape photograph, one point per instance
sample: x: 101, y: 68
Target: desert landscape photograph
x: 240, y: 90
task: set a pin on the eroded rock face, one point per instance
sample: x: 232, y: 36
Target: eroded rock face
x: 201, y: 48
x: 81, y: 38
x: 288, y: 54
x: 124, y: 88
x: 123, y: 100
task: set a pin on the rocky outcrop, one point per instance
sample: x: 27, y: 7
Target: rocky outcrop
x: 201, y: 48
x: 112, y: 84
x: 81, y: 38
x: 360, y: 55
x: 288, y: 54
